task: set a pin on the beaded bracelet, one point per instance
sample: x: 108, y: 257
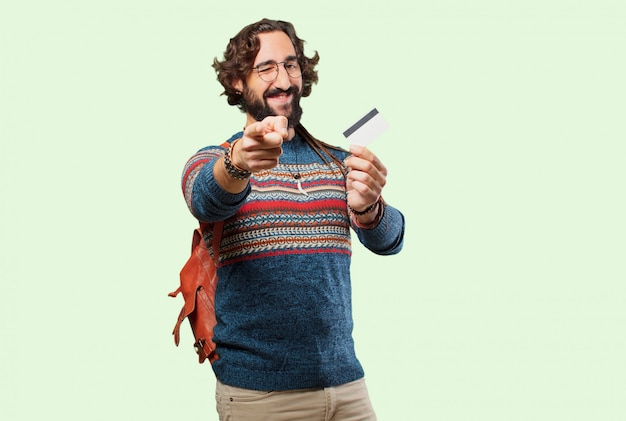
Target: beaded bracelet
x: 365, y: 212
x: 232, y: 169
x: 368, y: 209
x: 374, y: 222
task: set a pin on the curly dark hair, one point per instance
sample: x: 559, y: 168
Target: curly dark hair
x: 243, y: 49
x: 237, y: 65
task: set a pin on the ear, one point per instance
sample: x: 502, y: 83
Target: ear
x: 238, y: 85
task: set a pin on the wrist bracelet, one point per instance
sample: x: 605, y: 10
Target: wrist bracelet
x: 374, y: 222
x: 232, y: 169
x: 366, y: 211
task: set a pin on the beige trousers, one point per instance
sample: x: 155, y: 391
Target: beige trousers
x: 347, y: 402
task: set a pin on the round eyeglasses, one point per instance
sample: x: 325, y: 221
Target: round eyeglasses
x: 268, y: 72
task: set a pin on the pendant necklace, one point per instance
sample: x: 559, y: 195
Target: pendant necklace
x: 297, y: 176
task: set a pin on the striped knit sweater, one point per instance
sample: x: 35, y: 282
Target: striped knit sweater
x: 283, y: 300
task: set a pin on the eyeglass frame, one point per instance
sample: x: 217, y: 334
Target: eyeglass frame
x: 275, y: 66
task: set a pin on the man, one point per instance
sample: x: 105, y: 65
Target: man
x: 283, y: 300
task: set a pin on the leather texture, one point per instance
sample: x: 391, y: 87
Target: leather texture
x: 198, y: 280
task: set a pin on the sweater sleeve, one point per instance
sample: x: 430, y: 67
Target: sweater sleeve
x: 387, y: 237
x: 205, y: 198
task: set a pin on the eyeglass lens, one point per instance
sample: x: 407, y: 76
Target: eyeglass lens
x: 269, y: 72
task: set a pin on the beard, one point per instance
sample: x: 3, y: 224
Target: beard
x: 259, y: 108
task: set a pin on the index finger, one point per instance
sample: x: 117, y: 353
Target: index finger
x: 366, y: 154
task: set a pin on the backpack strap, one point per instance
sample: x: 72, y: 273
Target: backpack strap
x: 216, y: 238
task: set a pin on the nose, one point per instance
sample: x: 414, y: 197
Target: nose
x: 282, y: 80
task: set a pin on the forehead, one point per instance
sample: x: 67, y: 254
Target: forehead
x: 274, y: 46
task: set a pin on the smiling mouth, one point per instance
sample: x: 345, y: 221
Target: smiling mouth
x: 280, y: 98
x: 280, y: 95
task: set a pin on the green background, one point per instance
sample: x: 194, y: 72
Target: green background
x: 505, y: 152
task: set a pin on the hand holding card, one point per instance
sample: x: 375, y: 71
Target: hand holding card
x: 367, y: 175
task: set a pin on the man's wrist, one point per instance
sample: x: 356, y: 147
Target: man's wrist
x: 365, y: 211
x: 370, y: 217
x: 233, y: 170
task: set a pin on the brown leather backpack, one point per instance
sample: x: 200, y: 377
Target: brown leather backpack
x: 198, y: 280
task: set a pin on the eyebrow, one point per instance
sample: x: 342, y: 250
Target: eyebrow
x: 288, y: 58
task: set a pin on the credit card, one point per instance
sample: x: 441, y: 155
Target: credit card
x: 368, y: 128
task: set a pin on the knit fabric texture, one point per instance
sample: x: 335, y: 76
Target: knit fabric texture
x: 283, y: 299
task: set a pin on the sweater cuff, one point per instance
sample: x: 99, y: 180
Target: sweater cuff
x: 388, y: 236
x: 210, y: 201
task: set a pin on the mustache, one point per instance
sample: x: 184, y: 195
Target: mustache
x: 292, y: 90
